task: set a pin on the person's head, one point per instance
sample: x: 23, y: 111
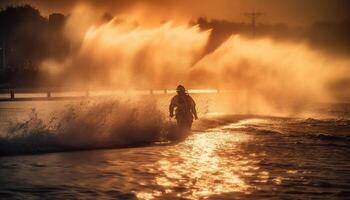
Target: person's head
x: 181, y: 89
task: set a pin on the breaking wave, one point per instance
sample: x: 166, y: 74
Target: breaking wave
x: 88, y: 125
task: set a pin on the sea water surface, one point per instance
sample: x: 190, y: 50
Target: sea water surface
x: 225, y: 157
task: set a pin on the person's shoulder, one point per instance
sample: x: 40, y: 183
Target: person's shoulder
x: 175, y: 97
x: 189, y: 96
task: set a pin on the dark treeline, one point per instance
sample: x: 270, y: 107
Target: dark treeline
x: 331, y: 37
x: 26, y: 39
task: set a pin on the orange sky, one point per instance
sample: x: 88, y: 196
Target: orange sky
x: 296, y: 12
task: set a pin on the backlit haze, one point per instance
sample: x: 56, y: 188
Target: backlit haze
x: 85, y: 88
x: 153, y: 45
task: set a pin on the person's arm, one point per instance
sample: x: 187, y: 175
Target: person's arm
x: 171, y: 107
x: 193, y: 108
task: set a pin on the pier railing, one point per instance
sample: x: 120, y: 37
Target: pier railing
x: 32, y: 94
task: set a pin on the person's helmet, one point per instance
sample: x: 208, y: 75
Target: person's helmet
x: 180, y: 89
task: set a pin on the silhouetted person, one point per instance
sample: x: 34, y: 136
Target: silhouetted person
x: 185, y: 108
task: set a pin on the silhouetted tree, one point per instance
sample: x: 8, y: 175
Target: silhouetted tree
x: 27, y: 38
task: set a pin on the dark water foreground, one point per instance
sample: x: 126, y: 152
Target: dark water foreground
x: 244, y: 158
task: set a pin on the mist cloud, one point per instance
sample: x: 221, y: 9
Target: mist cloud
x: 125, y: 52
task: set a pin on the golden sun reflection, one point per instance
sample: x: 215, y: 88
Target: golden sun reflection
x: 206, y: 164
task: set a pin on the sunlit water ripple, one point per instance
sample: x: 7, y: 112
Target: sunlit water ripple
x: 225, y: 162
x: 242, y: 157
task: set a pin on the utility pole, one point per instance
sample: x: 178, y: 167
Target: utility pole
x: 254, y: 17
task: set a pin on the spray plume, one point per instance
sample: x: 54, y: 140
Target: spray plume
x: 270, y: 76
